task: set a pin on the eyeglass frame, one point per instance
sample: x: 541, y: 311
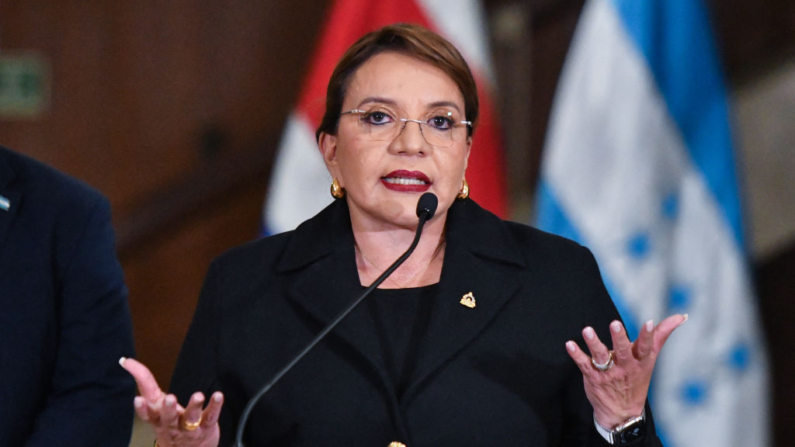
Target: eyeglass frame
x: 405, y: 121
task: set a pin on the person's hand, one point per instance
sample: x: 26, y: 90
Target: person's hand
x: 617, y: 382
x: 174, y: 425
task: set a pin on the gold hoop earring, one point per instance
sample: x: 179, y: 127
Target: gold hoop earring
x: 464, y: 192
x: 336, y: 190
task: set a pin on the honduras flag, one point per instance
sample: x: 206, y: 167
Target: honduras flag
x: 639, y: 167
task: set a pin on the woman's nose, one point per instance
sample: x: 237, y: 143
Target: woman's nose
x: 410, y: 140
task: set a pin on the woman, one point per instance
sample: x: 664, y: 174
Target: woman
x: 469, y: 342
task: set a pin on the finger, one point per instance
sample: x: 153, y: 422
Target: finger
x: 622, y: 347
x: 598, y: 350
x: 193, y: 412
x: 213, y: 410
x: 169, y: 415
x: 580, y: 358
x: 643, y: 345
x: 153, y: 410
x: 140, y: 408
x: 147, y: 385
x: 665, y: 328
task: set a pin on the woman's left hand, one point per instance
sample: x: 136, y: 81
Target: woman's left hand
x: 618, y: 392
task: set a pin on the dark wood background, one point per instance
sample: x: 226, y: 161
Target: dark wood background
x: 174, y: 110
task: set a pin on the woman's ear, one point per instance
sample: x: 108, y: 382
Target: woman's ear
x: 327, y: 144
x: 469, y: 149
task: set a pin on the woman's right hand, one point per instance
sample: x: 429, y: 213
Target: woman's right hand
x: 174, y: 425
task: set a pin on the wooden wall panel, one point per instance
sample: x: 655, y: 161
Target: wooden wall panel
x: 528, y: 63
x: 155, y: 104
x: 753, y: 34
x: 165, y: 278
x: 553, y: 28
x: 138, y: 87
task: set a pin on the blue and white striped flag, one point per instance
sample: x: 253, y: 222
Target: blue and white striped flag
x: 639, y: 167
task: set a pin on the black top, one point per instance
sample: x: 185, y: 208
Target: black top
x: 401, y: 316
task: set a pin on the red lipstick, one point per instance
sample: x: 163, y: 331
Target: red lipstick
x: 402, y: 180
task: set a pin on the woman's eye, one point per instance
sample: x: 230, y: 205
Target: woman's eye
x: 377, y: 118
x: 441, y: 122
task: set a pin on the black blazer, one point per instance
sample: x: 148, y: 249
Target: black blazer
x: 64, y: 319
x: 497, y: 374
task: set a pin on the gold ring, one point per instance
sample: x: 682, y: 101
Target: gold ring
x: 191, y: 426
x: 606, y: 365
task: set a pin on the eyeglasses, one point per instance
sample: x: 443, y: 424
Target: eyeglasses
x: 439, y: 128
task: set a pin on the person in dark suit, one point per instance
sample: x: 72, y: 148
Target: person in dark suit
x: 65, y: 319
x: 470, y: 342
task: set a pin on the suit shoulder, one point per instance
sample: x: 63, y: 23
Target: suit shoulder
x: 556, y: 255
x: 254, y: 255
x: 43, y: 184
x: 542, y: 241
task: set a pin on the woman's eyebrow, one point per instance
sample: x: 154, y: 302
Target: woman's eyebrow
x: 392, y: 102
x: 444, y: 104
x: 375, y: 99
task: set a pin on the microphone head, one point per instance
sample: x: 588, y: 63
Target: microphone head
x: 427, y: 205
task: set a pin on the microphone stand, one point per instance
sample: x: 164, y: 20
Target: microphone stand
x: 426, y: 207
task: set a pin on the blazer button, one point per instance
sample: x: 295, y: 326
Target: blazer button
x: 396, y: 444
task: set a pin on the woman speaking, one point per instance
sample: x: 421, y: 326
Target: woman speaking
x: 477, y: 339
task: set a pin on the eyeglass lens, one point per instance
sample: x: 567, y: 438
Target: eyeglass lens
x: 439, y: 128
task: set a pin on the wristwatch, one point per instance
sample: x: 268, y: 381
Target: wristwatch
x: 626, y: 433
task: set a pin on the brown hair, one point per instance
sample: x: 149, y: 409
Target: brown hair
x: 410, y: 40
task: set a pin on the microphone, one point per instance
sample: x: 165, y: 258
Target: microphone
x: 426, y: 208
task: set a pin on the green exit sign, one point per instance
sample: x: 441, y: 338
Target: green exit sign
x: 24, y: 85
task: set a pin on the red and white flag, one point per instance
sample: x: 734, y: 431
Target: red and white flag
x: 299, y: 184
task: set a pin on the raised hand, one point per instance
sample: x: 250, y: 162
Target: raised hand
x: 174, y: 425
x: 617, y: 382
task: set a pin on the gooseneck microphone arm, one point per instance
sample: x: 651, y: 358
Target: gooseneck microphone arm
x: 426, y: 207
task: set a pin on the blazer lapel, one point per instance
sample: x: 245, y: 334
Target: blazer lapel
x: 9, y: 197
x: 327, y: 288
x: 322, y: 253
x: 480, y: 259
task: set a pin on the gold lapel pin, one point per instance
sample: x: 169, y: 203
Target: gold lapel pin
x: 468, y: 300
